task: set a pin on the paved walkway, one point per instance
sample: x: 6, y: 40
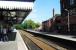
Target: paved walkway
x: 18, y: 44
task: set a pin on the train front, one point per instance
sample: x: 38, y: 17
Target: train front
x: 12, y: 12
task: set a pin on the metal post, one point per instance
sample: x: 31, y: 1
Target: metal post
x: 68, y: 22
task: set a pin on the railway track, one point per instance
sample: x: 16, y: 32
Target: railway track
x: 40, y: 43
x: 66, y: 42
x: 51, y: 43
x: 29, y: 43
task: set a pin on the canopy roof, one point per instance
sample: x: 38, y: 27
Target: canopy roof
x: 16, y: 5
x: 15, y: 11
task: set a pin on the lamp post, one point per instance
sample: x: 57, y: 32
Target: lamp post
x: 68, y: 20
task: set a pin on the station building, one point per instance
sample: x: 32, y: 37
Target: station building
x: 69, y: 6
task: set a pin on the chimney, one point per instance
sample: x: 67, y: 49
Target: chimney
x: 53, y: 14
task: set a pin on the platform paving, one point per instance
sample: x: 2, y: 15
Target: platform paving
x: 18, y: 44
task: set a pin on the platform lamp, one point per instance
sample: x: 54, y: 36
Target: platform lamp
x: 68, y: 20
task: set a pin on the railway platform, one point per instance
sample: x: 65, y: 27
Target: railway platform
x: 61, y: 36
x: 18, y: 44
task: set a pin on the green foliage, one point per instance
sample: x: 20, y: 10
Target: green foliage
x: 18, y: 26
x: 28, y: 24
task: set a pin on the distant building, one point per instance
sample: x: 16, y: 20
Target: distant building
x: 50, y: 24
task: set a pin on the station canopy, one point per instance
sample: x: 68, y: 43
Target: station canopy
x: 16, y: 5
x: 15, y: 10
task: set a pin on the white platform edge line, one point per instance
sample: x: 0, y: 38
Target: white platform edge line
x: 62, y: 37
x: 21, y: 41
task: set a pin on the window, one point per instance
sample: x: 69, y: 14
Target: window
x: 73, y: 12
x: 71, y: 2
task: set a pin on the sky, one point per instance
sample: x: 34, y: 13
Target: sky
x: 43, y: 10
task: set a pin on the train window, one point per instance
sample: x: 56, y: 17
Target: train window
x: 73, y: 12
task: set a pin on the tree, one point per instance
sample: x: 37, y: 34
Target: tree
x: 18, y: 26
x: 29, y: 24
